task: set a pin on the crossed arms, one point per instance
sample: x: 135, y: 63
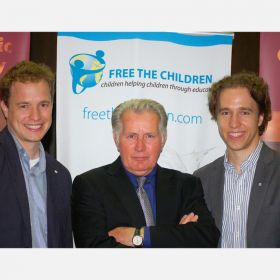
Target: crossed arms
x: 101, y: 217
x: 124, y: 235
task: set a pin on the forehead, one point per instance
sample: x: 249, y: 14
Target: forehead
x: 236, y: 97
x: 23, y: 90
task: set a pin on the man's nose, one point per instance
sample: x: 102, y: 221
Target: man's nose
x: 235, y: 120
x: 140, y: 145
x: 35, y: 113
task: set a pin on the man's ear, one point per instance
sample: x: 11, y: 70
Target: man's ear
x: 4, y: 108
x: 163, y: 142
x: 116, y: 140
x: 260, y: 119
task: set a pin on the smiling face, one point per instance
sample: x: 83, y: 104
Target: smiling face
x: 139, y: 142
x: 238, y: 119
x: 29, y: 112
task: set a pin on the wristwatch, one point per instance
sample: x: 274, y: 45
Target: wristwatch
x: 137, y: 239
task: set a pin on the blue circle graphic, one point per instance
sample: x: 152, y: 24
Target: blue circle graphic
x: 86, y: 70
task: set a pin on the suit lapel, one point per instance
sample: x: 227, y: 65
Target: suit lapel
x: 51, y: 206
x: 18, y: 183
x: 218, y: 179
x: 260, y: 185
x: 165, y: 198
x: 125, y: 192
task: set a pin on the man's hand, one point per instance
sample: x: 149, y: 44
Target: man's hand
x: 191, y: 217
x: 123, y: 235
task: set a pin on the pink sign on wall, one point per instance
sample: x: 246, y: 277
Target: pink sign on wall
x: 14, y: 47
x: 270, y: 71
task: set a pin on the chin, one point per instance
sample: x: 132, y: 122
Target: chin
x: 33, y: 138
x: 138, y: 170
x: 236, y: 147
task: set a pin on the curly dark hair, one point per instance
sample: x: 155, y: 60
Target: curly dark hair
x: 257, y: 87
x: 26, y: 71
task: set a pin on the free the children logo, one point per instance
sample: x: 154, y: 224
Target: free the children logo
x: 86, y: 70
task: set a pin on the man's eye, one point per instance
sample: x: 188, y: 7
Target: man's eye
x: 224, y: 113
x: 23, y: 106
x: 131, y: 136
x: 149, y: 136
x: 45, y: 105
x: 245, y: 113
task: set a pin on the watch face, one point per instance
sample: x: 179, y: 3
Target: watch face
x: 137, y: 240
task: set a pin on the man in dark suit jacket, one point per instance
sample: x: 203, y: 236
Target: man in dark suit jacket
x: 107, y: 209
x: 242, y: 188
x: 263, y: 224
x: 35, y: 189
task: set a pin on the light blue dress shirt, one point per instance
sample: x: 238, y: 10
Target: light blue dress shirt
x: 36, y: 187
x: 237, y: 189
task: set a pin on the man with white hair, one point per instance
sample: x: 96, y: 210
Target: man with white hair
x: 134, y: 202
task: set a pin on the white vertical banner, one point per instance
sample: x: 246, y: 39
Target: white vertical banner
x: 98, y: 70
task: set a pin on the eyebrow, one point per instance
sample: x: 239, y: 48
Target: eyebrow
x: 247, y: 109
x: 28, y: 102
x: 240, y: 109
x: 22, y: 102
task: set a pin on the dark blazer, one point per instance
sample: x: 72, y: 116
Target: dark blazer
x: 15, y: 228
x: 263, y: 224
x: 103, y: 198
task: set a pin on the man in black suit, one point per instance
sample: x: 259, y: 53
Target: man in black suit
x: 134, y: 202
x: 35, y: 189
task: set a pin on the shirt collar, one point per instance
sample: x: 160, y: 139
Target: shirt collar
x: 24, y: 157
x: 249, y: 162
x: 150, y: 177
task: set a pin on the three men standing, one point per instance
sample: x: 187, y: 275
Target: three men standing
x: 134, y: 202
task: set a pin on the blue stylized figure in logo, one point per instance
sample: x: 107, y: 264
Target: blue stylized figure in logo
x: 86, y: 70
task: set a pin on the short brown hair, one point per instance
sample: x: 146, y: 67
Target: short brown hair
x: 257, y: 87
x: 26, y: 71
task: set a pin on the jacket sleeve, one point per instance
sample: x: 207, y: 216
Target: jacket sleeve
x: 89, y: 216
x: 200, y: 234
